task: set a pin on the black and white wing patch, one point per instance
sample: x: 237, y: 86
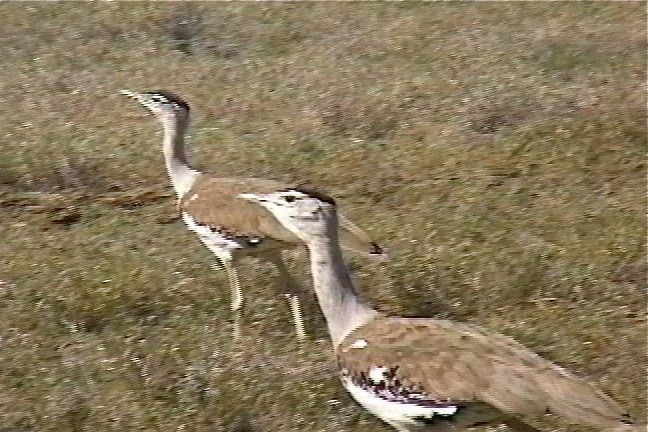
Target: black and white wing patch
x: 218, y: 238
x: 380, y: 392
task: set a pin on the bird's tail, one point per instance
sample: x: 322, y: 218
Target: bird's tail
x: 576, y: 400
x: 353, y: 238
x: 637, y: 427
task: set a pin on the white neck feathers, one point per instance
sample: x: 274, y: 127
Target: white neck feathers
x: 341, y: 307
x: 181, y: 174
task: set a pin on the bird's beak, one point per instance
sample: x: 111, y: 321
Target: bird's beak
x: 138, y: 97
x: 128, y: 93
x: 133, y: 95
x: 249, y: 197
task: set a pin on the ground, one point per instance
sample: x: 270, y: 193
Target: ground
x: 497, y: 150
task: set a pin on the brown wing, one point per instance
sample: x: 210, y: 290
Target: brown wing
x: 455, y: 361
x: 213, y: 201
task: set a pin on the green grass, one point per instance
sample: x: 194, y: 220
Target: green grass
x: 496, y: 149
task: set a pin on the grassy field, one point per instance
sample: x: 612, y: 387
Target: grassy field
x: 496, y: 149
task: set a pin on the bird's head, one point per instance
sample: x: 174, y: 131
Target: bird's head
x: 164, y: 105
x: 307, y: 214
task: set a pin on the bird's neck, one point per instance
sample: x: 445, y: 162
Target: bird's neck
x: 181, y: 174
x: 342, y: 308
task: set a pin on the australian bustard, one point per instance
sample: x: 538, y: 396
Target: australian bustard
x: 229, y: 226
x: 420, y: 374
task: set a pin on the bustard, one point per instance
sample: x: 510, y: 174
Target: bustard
x: 420, y: 374
x: 229, y: 226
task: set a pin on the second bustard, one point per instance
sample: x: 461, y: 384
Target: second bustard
x: 425, y: 374
x: 229, y: 226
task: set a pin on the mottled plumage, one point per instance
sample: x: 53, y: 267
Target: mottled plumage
x: 487, y: 376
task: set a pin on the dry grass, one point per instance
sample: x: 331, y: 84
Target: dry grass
x: 497, y: 149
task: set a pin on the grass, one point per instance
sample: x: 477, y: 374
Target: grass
x: 496, y: 149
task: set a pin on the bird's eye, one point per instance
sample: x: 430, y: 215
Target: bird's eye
x: 289, y: 198
x: 156, y: 99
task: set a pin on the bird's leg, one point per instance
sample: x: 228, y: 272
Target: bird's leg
x: 236, y: 300
x: 179, y: 207
x: 298, y: 318
x: 290, y: 292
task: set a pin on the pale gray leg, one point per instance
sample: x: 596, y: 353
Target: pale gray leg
x: 290, y: 292
x: 236, y: 300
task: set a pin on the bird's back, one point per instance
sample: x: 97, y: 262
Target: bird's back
x: 463, y: 363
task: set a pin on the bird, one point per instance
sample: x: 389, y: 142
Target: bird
x: 228, y: 226
x: 428, y: 374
